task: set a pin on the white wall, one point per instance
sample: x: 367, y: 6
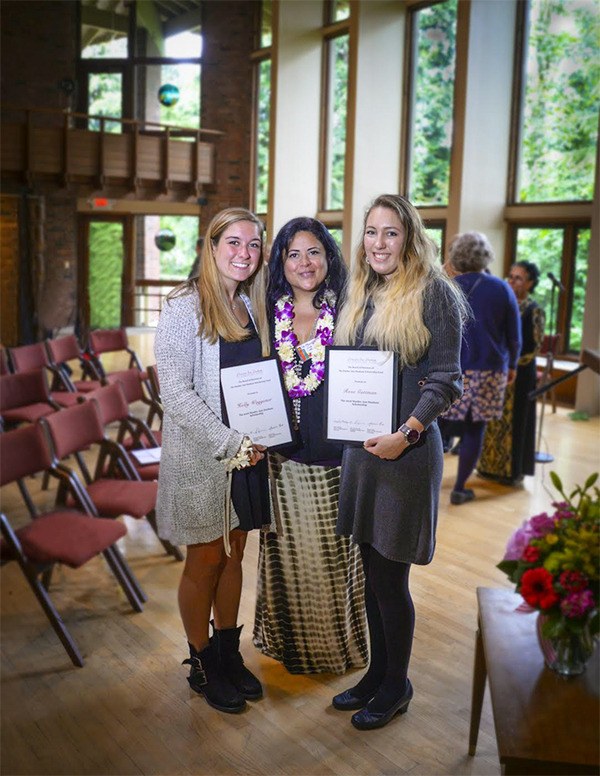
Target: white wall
x: 297, y: 111
x: 487, y: 121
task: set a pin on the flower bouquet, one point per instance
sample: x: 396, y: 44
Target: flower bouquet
x: 554, y: 561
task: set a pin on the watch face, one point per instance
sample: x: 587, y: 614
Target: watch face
x: 411, y: 434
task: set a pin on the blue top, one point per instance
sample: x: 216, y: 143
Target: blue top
x: 492, y: 338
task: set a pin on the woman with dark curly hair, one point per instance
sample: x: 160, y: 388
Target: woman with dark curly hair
x: 309, y: 603
x: 509, y: 443
x: 490, y: 349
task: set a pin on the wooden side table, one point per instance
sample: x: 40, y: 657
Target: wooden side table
x: 545, y: 724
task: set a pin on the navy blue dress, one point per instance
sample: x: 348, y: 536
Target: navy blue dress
x: 249, y: 486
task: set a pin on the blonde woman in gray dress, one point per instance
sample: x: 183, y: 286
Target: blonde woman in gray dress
x: 399, y: 299
x: 215, y: 320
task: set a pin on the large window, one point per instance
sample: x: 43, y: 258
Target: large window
x: 431, y: 89
x: 559, y: 121
x: 334, y: 162
x: 262, y: 109
x: 557, y: 103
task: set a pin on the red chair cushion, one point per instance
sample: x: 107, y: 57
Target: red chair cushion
x: 28, y: 414
x: 85, y: 386
x: 67, y: 537
x: 123, y: 497
x: 65, y: 398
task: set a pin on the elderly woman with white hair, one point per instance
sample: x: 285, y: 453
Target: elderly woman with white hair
x: 489, y: 353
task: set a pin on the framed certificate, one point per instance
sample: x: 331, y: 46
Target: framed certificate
x: 256, y: 402
x: 361, y: 386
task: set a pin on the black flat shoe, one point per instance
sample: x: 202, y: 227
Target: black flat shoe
x: 369, y: 720
x: 461, y: 496
x: 347, y: 701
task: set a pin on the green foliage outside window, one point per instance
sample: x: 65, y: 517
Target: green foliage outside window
x: 544, y: 247
x: 105, y: 274
x: 185, y: 112
x: 338, y: 108
x: 263, y: 134
x: 104, y: 99
x: 562, y: 99
x: 176, y: 263
x: 431, y: 140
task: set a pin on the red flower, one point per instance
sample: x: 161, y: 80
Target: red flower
x: 537, y: 589
x: 572, y: 581
x: 531, y: 554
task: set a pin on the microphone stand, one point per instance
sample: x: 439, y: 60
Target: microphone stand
x: 539, y: 456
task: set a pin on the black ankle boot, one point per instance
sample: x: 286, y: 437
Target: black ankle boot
x: 207, y: 678
x: 232, y: 663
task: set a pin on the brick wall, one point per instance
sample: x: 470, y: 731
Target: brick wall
x: 228, y: 31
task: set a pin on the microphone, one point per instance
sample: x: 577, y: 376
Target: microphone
x: 555, y: 282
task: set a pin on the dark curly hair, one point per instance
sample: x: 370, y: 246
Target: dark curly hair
x: 532, y: 270
x: 336, y: 268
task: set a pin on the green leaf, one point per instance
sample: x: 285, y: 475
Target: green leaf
x: 590, y: 480
x: 556, y: 481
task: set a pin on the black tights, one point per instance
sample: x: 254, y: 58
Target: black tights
x: 391, y: 618
x: 471, y: 442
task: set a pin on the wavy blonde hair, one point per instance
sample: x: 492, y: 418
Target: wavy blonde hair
x: 397, y: 320
x: 217, y: 318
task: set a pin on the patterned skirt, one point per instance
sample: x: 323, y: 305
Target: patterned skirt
x: 310, y: 611
x: 483, y: 395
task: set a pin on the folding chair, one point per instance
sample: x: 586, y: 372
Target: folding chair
x: 115, y: 488
x: 135, y: 388
x: 4, y: 370
x: 67, y: 536
x: 154, y: 390
x: 27, y: 358
x: 25, y: 397
x: 63, y: 350
x: 101, y: 341
x: 131, y: 432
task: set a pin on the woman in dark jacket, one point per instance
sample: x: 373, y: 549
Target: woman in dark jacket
x: 489, y: 353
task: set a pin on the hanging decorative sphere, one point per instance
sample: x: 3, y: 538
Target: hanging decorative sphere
x: 168, y: 95
x: 165, y: 240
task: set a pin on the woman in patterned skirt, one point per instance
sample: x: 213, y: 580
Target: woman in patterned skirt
x: 309, y: 607
x: 509, y: 443
x: 489, y: 353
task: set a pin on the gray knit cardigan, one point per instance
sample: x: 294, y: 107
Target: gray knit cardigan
x: 192, y: 482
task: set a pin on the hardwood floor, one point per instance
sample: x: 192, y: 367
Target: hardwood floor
x: 130, y: 711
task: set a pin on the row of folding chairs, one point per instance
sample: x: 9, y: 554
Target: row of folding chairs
x: 56, y: 356
x: 82, y: 522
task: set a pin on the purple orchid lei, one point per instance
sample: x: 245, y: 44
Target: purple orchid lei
x: 286, y: 343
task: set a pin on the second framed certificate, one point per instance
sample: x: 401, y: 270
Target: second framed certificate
x: 361, y: 393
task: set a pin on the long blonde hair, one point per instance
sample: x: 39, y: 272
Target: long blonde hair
x: 217, y: 318
x: 397, y: 320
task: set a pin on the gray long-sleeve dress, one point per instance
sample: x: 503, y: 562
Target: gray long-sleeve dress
x: 392, y: 505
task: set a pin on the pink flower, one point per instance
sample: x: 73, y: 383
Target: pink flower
x: 572, y: 581
x: 517, y: 543
x: 540, y: 525
x: 577, y: 604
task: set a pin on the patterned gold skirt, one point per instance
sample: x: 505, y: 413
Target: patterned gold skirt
x: 310, y: 595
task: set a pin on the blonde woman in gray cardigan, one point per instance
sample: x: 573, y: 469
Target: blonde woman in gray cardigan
x: 217, y: 319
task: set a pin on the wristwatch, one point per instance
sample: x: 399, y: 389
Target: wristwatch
x: 411, y: 435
